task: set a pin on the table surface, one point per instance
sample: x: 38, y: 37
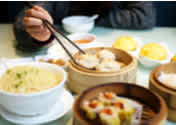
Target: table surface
x: 105, y: 35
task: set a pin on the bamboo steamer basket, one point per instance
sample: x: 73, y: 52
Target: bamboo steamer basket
x: 154, y: 107
x: 79, y: 78
x: 166, y: 92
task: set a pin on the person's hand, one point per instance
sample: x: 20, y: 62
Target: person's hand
x: 34, y: 25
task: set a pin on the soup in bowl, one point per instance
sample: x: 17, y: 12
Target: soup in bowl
x: 31, y: 88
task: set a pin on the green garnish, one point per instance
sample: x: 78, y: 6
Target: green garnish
x: 25, y: 72
x: 17, y: 85
x: 8, y: 71
x: 19, y: 75
x: 37, y: 70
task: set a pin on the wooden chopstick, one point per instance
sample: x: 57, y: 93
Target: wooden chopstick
x: 49, y: 25
x: 29, y: 4
x: 58, y: 40
x: 65, y: 37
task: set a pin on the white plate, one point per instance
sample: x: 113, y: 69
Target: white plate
x: 56, y: 112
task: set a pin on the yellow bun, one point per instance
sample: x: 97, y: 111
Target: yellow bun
x: 173, y: 58
x: 153, y: 51
x: 126, y: 43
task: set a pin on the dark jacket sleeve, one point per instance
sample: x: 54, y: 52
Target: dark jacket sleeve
x: 24, y: 41
x: 131, y: 15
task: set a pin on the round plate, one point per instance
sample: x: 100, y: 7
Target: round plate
x: 61, y: 108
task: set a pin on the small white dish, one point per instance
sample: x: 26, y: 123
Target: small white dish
x: 149, y: 63
x: 74, y: 24
x: 84, y: 36
x: 58, y: 50
x: 61, y: 107
x: 139, y: 45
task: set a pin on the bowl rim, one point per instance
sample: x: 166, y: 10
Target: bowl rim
x: 83, y: 34
x: 98, y: 73
x: 64, y: 20
x: 42, y: 92
x: 155, y: 120
x: 155, y: 82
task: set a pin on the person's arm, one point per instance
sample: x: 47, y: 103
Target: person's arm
x: 130, y: 15
x: 24, y: 40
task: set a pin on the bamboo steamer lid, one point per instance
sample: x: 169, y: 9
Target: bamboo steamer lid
x: 166, y: 92
x: 80, y: 79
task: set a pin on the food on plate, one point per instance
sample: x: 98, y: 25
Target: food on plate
x: 173, y: 58
x: 168, y: 79
x: 153, y: 51
x: 109, y: 109
x: 59, y: 62
x: 103, y: 60
x: 126, y: 43
x: 27, y: 79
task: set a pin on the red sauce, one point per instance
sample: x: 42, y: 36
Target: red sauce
x: 119, y: 104
x: 107, y: 111
x: 82, y: 41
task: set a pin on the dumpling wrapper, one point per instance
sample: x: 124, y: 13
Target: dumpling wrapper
x: 88, y: 60
x: 105, y: 54
x: 168, y: 79
x: 108, y: 66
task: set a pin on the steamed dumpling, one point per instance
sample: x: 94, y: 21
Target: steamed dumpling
x: 88, y: 60
x: 109, y: 116
x: 105, y: 54
x: 92, y: 108
x: 108, y: 65
x: 168, y: 79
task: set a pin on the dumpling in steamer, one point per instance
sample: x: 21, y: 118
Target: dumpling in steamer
x: 105, y: 54
x: 109, y: 116
x: 108, y: 65
x: 88, y: 60
x: 124, y: 109
x: 92, y: 108
x: 107, y: 98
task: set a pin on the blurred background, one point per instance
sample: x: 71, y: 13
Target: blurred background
x: 165, y: 12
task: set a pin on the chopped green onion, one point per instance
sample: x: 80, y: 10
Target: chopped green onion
x: 25, y: 72
x: 17, y: 85
x: 19, y: 75
x: 8, y: 71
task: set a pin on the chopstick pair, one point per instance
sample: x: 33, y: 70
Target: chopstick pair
x: 50, y: 26
x: 46, y: 23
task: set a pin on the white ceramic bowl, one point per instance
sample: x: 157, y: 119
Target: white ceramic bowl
x: 149, y: 63
x: 35, y: 103
x: 73, y: 24
x: 83, y: 36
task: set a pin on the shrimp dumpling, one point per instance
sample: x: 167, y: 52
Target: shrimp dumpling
x: 125, y: 110
x: 109, y: 116
x: 108, y: 65
x: 107, y: 98
x: 92, y: 108
x: 88, y: 60
x: 105, y: 54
